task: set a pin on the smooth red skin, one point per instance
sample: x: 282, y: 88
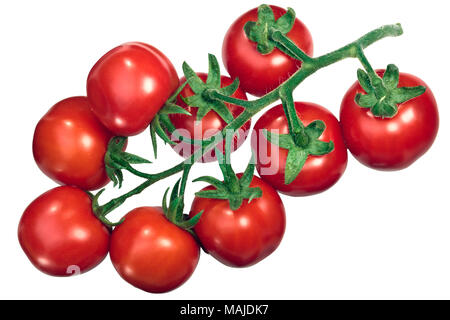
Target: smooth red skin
x: 259, y: 74
x: 129, y: 85
x: 243, y: 237
x: 59, y: 232
x: 319, y: 172
x: 70, y: 143
x: 151, y: 253
x: 209, y: 125
x: 395, y: 143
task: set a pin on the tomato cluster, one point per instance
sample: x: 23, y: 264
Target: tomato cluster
x: 299, y: 151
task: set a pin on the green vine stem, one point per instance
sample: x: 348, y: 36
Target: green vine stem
x: 283, y: 92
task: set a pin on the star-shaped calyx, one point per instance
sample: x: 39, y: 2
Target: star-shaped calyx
x: 232, y: 188
x: 298, y: 153
x: 261, y: 31
x: 202, y: 98
x: 383, y: 94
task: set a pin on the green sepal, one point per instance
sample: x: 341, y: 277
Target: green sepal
x: 202, y: 99
x: 213, y: 79
x: 232, y: 188
x: 154, y: 141
x: 404, y: 94
x: 297, y: 155
x: 172, y: 108
x: 194, y: 81
x: 391, y: 77
x: 383, y: 94
x: 262, y: 30
x: 159, y: 130
x: 188, y: 224
x: 295, y: 161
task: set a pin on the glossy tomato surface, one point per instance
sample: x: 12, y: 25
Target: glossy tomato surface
x: 70, y: 143
x: 319, y: 172
x: 390, y: 143
x: 245, y: 236
x: 151, y: 253
x: 258, y: 73
x: 128, y: 86
x: 60, y: 234
x: 210, y: 124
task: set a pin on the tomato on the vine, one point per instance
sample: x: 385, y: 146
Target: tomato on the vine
x: 151, y: 253
x: 390, y: 143
x: 260, y: 73
x: 129, y: 85
x: 319, y: 172
x: 70, y: 143
x: 61, y: 235
x: 245, y: 236
x: 212, y: 123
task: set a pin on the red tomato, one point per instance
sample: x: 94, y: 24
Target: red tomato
x: 245, y: 236
x: 151, y: 253
x: 210, y: 124
x: 60, y: 234
x: 69, y: 145
x: 259, y: 74
x: 319, y: 172
x: 128, y: 86
x: 390, y: 143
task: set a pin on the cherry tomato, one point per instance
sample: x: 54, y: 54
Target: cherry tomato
x: 60, y: 234
x: 258, y: 73
x: 210, y: 124
x: 151, y: 253
x: 245, y: 236
x: 69, y: 145
x: 319, y: 172
x: 390, y: 143
x: 128, y: 86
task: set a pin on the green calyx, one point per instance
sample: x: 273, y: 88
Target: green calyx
x: 262, y: 30
x: 173, y: 210
x: 202, y: 99
x: 300, y: 147
x: 383, y: 94
x: 232, y: 188
x: 117, y: 160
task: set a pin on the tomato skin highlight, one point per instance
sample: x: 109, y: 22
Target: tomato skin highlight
x: 390, y: 143
x: 319, y: 172
x: 260, y: 74
x: 151, y: 253
x: 60, y: 234
x: 70, y: 143
x: 210, y: 124
x: 243, y: 237
x: 129, y: 85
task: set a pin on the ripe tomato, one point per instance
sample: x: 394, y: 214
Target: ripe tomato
x: 210, y: 124
x: 60, y: 234
x: 258, y: 73
x: 390, y: 143
x: 128, y: 86
x: 319, y: 172
x: 69, y: 145
x: 245, y: 236
x: 151, y: 253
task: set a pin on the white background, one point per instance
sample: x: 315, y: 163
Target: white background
x: 374, y: 235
